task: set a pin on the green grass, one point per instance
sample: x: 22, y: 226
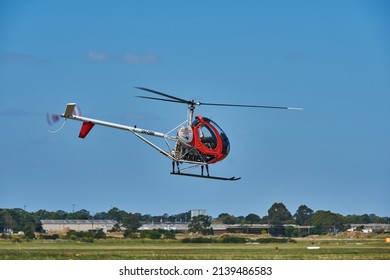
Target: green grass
x: 330, y: 249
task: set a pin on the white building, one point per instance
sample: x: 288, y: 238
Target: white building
x: 78, y: 225
x: 197, y: 212
x: 366, y: 228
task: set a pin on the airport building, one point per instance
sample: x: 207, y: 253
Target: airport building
x: 77, y: 225
x: 367, y: 228
x: 198, y: 212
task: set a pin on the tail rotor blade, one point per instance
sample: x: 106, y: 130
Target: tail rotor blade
x: 52, y: 118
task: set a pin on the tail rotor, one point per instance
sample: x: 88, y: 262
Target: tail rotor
x: 52, y: 119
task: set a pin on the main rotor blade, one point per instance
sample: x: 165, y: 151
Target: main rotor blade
x: 250, y: 106
x: 160, y: 99
x: 179, y: 100
x: 166, y: 95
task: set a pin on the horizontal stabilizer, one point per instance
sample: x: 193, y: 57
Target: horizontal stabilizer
x: 69, y: 110
x: 85, y: 129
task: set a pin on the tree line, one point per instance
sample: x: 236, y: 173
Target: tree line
x: 278, y: 216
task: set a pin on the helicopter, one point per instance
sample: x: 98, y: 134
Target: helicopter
x: 196, y: 142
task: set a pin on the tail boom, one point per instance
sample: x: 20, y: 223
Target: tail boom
x: 88, y: 124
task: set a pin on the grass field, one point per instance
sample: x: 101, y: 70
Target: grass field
x: 112, y: 249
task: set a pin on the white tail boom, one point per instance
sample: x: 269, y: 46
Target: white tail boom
x: 89, y: 123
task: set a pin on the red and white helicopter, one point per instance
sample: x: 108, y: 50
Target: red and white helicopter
x: 197, y: 142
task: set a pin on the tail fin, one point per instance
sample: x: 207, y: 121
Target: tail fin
x: 85, y: 129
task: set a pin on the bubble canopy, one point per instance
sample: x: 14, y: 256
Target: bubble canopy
x: 210, y: 139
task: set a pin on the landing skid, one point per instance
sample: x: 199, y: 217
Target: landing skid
x: 207, y: 177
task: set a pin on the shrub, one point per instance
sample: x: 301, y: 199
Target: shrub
x: 85, y: 235
x: 49, y: 236
x: 197, y: 240
x: 72, y: 237
x: 275, y: 240
x: 154, y: 234
x: 151, y: 234
x: 157, y: 234
x: 130, y: 234
x: 87, y: 239
x: 100, y: 234
x: 169, y: 234
x: 16, y: 240
x: 5, y: 236
x: 232, y: 239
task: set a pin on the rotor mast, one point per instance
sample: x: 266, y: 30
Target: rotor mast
x: 191, y: 109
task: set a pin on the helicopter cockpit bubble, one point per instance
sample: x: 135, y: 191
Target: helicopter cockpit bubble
x: 209, y: 139
x: 224, y: 138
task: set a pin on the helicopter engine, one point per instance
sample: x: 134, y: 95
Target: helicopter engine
x: 185, y: 134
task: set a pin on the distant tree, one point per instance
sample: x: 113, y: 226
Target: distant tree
x: 278, y: 216
x: 291, y: 231
x: 327, y: 222
x: 164, y: 218
x: 365, y: 219
x: 28, y: 230
x: 9, y: 220
x: 200, y: 224
x: 220, y: 216
x: 182, y: 217
x: 146, y: 218
x: 317, y: 230
x: 380, y: 220
x: 79, y: 215
x: 100, y: 216
x: 19, y: 220
x: 227, y: 219
x: 303, y: 215
x: 116, y: 214
x: 2, y: 222
x: 132, y: 221
x: 116, y: 227
x: 59, y: 215
x: 252, y: 219
x: 43, y: 215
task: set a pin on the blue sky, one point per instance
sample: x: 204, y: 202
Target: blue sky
x: 330, y: 57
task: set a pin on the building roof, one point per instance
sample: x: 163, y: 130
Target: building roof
x: 373, y: 225
x: 46, y: 222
